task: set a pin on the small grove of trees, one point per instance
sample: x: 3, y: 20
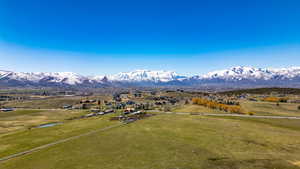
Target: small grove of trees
x: 215, y: 105
x: 85, y: 106
x: 275, y: 99
x: 251, y: 113
x: 166, y: 109
x: 186, y: 102
x: 298, y: 107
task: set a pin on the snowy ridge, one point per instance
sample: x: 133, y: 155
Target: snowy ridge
x: 250, y: 73
x: 146, y: 75
x: 58, y: 77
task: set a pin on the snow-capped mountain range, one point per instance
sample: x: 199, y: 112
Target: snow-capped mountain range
x: 147, y: 75
x: 236, y: 75
x: 250, y: 73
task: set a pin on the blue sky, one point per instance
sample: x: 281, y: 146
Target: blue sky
x: 104, y: 37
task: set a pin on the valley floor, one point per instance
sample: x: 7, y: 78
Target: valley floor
x: 164, y: 141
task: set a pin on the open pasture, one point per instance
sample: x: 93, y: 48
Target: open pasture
x: 168, y: 141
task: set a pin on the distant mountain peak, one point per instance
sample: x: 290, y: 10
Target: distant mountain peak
x: 251, y: 73
x: 145, y: 75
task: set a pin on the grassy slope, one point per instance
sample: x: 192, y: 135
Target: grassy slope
x: 22, y: 140
x: 174, y: 141
x: 18, y: 113
x: 191, y: 108
x: 259, y: 108
x: 269, y: 108
x: 49, y: 103
x: 295, y: 91
x: 23, y: 119
x: 282, y: 123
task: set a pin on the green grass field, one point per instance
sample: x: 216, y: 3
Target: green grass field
x: 26, y: 118
x: 258, y: 108
x: 48, y: 103
x: 24, y: 139
x: 163, y: 142
x: 282, y: 123
x: 269, y: 108
x: 51, y: 102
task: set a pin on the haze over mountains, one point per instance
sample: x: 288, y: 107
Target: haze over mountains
x: 234, y: 77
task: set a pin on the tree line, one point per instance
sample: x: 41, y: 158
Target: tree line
x: 216, y: 105
x: 275, y: 99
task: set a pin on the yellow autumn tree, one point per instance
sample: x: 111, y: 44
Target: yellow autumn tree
x: 215, y: 105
